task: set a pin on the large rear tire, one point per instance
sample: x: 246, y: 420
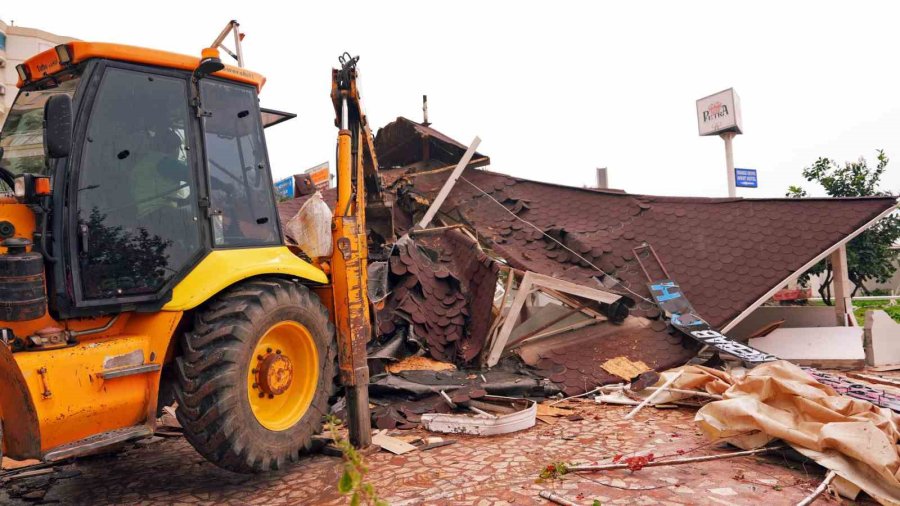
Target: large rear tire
x: 256, y: 374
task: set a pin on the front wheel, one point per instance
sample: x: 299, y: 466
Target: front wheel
x: 256, y: 374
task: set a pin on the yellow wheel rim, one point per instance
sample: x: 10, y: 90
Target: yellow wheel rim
x: 282, y: 375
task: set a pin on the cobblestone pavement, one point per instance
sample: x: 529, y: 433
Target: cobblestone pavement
x: 475, y: 470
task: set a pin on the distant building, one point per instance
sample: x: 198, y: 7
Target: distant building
x: 17, y: 44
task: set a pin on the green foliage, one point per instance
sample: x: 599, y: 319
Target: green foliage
x: 795, y: 192
x: 861, y: 306
x: 869, y: 255
x: 352, y: 481
x: 554, y: 470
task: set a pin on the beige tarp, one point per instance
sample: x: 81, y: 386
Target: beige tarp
x: 852, y: 437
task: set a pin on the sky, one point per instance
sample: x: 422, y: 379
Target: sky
x: 556, y: 89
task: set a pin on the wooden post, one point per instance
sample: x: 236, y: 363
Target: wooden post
x: 843, y: 306
x: 512, y: 317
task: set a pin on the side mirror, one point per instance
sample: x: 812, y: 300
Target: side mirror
x: 58, y: 126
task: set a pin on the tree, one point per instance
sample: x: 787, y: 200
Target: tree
x: 869, y: 255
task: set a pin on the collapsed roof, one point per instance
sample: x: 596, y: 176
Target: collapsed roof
x: 727, y: 254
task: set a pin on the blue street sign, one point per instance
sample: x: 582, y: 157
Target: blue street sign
x: 285, y: 187
x: 745, y: 178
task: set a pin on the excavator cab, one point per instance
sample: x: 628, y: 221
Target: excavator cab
x: 142, y: 261
x: 159, y: 168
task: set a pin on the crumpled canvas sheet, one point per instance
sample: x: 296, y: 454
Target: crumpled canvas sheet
x: 778, y: 400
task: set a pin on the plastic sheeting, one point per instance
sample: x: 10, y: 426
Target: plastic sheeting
x: 852, y: 437
x: 311, y: 227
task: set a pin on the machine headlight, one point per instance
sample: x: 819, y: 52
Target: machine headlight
x: 20, y: 187
x: 28, y: 187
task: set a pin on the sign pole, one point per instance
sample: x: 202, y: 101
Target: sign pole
x: 720, y: 114
x: 729, y: 162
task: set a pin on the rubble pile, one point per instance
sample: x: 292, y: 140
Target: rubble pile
x: 532, y: 290
x: 444, y: 297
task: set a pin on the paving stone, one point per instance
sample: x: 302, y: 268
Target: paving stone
x: 499, y: 470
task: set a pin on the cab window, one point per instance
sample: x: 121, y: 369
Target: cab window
x: 240, y: 185
x: 22, y: 135
x: 137, y: 216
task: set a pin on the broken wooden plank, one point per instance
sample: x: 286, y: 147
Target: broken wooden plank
x: 532, y: 281
x: 654, y: 395
x: 876, y: 378
x: 570, y: 288
x: 511, y: 319
x: 448, y: 185
x: 695, y: 393
x: 553, y: 332
x: 392, y: 444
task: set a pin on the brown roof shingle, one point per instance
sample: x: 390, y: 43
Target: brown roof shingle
x: 725, y: 253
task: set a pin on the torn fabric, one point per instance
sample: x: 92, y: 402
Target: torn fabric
x: 852, y: 437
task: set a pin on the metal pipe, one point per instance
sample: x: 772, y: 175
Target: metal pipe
x: 112, y: 321
x: 343, y: 165
x: 231, y: 24
x: 866, y: 297
x: 237, y: 43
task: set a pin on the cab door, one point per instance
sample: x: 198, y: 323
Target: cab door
x: 136, y: 225
x: 242, y: 197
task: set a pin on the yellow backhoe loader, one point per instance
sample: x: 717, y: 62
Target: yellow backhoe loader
x: 142, y: 261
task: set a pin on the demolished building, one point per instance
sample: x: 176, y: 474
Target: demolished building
x: 728, y: 254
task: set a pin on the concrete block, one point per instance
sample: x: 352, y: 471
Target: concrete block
x: 882, y: 339
x: 825, y: 347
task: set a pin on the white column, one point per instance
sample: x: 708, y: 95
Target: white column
x: 841, y: 285
x: 729, y: 162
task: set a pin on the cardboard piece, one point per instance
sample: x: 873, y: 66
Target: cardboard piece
x: 392, y: 444
x: 624, y: 368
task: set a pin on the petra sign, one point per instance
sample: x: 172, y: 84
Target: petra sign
x: 719, y: 113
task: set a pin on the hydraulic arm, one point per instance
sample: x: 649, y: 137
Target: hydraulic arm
x: 356, y: 183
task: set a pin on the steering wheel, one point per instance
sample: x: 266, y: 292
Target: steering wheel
x: 8, y: 178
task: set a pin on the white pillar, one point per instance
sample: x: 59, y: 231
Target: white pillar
x: 729, y: 162
x: 843, y: 306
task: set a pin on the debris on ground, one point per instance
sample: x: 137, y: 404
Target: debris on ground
x: 391, y: 444
x: 490, y: 416
x: 540, y: 292
x: 418, y: 363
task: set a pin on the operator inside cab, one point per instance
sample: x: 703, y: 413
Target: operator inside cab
x: 159, y: 178
x: 136, y: 206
